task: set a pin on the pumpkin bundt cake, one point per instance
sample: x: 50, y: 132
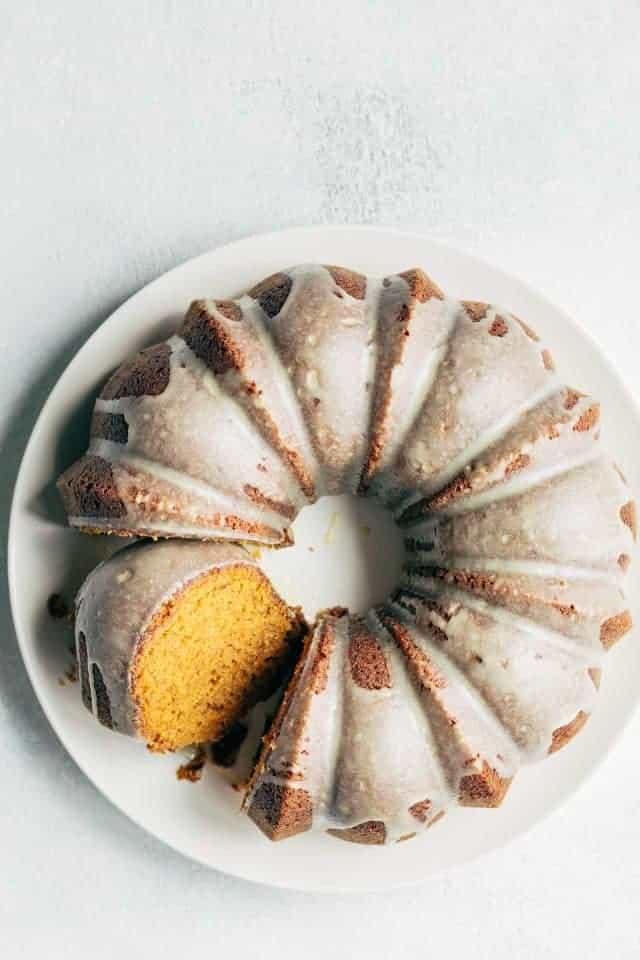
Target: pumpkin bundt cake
x: 518, y: 532
x: 175, y: 641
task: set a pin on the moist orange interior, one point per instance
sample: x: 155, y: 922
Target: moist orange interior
x: 210, y: 652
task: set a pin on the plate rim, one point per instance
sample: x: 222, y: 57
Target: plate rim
x: 27, y: 654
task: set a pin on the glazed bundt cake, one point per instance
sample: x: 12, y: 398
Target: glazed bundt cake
x: 175, y: 641
x: 518, y: 530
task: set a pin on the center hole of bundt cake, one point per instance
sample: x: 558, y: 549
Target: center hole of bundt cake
x: 347, y: 552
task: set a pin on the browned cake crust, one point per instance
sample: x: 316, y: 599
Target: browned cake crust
x: 146, y: 374
x: 614, y: 628
x: 371, y: 832
x: 88, y: 490
x: 421, y: 810
x: 475, y: 309
x: 374, y: 832
x: 355, y: 284
x: 272, y: 293
x: 489, y: 586
x: 242, y: 530
x: 421, y: 666
x: 459, y: 486
x: 110, y: 426
x: 547, y: 428
x: 367, y: 662
x: 320, y: 668
x: 486, y: 789
x: 421, y: 287
x: 588, y: 420
x: 498, y: 327
x: 629, y: 516
x: 561, y: 737
x: 257, y: 497
x: 288, y: 810
x: 208, y: 339
x: 281, y: 811
x: 291, y: 457
x: 83, y: 664
x: 103, y: 705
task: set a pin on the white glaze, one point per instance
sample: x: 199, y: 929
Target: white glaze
x: 572, y: 519
x: 530, y: 683
x: 326, y: 341
x: 273, y: 406
x: 484, y: 384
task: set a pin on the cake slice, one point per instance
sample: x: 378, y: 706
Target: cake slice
x: 176, y: 640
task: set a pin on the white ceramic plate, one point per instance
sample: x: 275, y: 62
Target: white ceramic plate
x: 202, y: 820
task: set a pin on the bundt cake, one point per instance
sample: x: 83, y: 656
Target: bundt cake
x: 176, y: 640
x: 518, y: 532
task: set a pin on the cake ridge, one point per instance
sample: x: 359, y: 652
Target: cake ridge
x: 540, y: 568
x: 178, y: 478
x: 323, y: 336
x: 551, y: 638
x: 381, y: 615
x: 589, y: 613
x: 460, y: 397
x: 373, y: 300
x: 496, y: 432
x: 546, y: 440
x: 448, y: 667
x: 520, y: 484
x: 460, y: 752
x: 394, y: 343
x: 335, y: 744
x: 252, y: 317
x: 266, y: 338
x: 216, y: 386
x: 554, y: 529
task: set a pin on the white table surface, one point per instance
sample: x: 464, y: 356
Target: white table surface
x: 134, y: 135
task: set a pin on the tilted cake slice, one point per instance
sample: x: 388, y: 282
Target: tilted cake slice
x: 175, y: 640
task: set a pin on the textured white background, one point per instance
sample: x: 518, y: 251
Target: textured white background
x: 136, y: 134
